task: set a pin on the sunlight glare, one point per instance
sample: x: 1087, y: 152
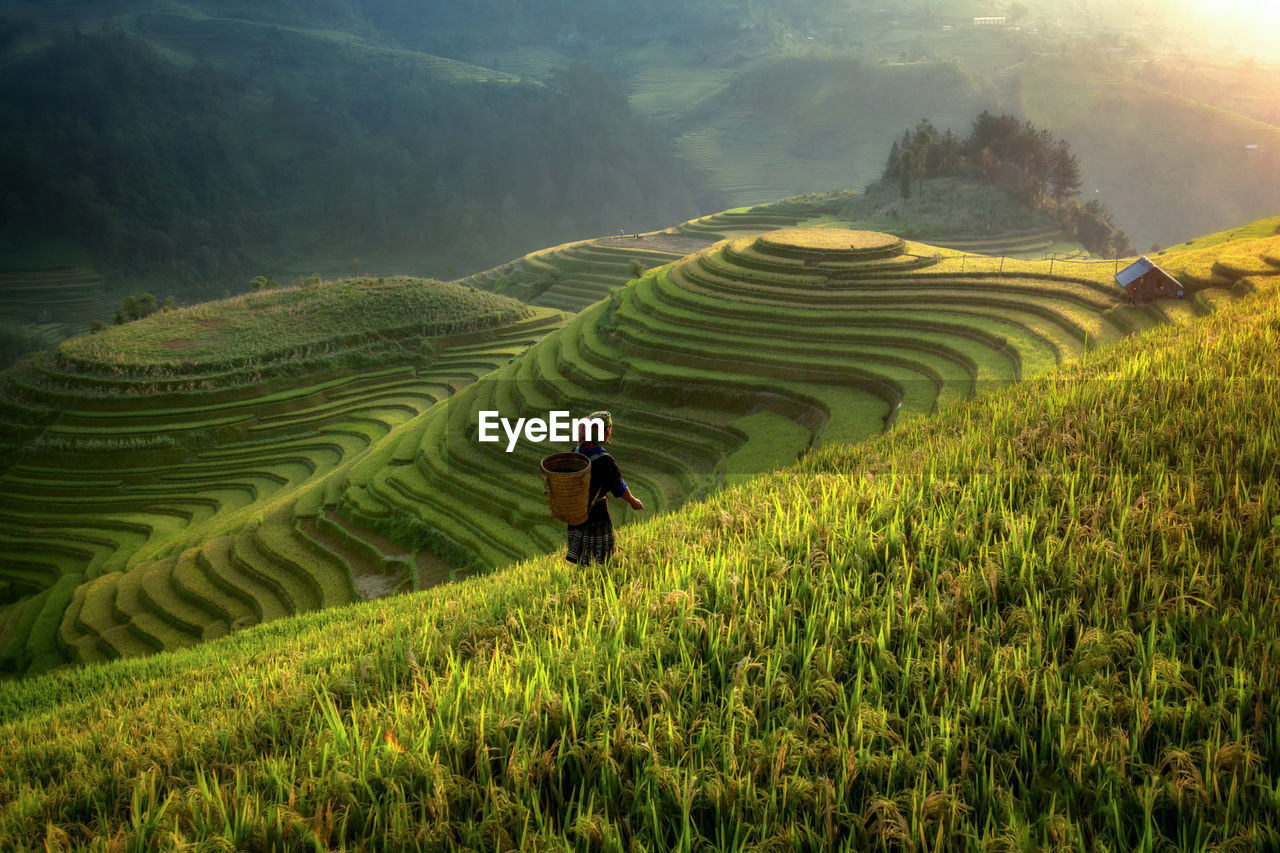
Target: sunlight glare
x: 1262, y: 16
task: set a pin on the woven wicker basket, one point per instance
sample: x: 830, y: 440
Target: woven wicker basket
x: 567, y: 481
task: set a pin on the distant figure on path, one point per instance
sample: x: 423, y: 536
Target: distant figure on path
x: 592, y: 541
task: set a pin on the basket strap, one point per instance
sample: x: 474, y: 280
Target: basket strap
x: 593, y: 499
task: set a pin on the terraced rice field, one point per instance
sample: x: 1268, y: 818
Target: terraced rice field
x: 1042, y: 621
x: 1035, y: 244
x: 572, y: 276
x: 742, y: 221
x: 1229, y: 264
x: 787, y: 340
x: 140, y: 513
x: 664, y: 91
x: 57, y: 301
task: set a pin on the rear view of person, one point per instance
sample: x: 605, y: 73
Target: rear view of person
x: 593, y: 540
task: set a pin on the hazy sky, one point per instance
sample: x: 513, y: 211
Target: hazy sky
x: 1251, y: 23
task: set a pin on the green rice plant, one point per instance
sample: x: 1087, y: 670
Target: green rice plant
x: 96, y: 621
x: 346, y: 541
x: 262, y: 555
x: 156, y: 592
x: 192, y: 584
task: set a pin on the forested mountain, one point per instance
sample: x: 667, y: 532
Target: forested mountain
x: 202, y: 172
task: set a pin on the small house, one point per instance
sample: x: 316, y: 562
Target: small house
x: 1144, y: 281
x: 990, y: 20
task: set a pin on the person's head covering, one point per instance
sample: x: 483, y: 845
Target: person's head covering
x: 600, y: 415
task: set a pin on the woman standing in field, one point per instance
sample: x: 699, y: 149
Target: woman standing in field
x: 593, y: 539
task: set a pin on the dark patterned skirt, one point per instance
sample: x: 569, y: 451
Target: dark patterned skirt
x: 590, y: 542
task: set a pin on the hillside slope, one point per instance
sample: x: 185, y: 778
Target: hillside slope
x: 172, y: 479
x: 190, y: 152
x: 803, y: 124
x: 747, y: 355
x: 1169, y: 167
x: 1045, y: 618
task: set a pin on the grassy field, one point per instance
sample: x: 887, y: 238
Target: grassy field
x: 1043, y: 619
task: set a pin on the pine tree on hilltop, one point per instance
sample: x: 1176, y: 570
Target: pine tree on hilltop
x: 921, y: 147
x: 1065, y: 177
x: 891, y: 167
x: 948, y: 154
x: 906, y: 171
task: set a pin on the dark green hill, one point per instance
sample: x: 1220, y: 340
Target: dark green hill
x: 198, y: 152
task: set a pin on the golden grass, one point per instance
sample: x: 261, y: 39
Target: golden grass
x: 829, y: 239
x: 1230, y: 260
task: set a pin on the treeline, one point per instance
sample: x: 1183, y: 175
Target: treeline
x: 457, y: 29
x: 207, y: 175
x: 1016, y: 156
x: 450, y: 28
